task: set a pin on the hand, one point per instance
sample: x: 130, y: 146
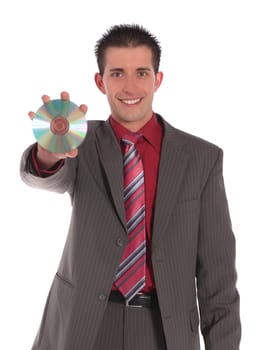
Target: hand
x: 45, y: 158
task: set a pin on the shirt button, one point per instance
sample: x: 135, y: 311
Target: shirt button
x: 119, y: 242
x: 101, y: 297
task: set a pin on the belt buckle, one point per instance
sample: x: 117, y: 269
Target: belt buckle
x: 127, y: 303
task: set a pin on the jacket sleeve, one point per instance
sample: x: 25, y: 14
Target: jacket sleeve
x: 216, y: 273
x: 61, y: 181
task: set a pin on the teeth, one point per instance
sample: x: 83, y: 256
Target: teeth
x: 131, y: 102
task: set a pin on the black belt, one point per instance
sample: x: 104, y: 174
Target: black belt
x: 139, y: 300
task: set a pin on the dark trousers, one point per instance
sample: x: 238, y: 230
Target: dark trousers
x: 130, y: 328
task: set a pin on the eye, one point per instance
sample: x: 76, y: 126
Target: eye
x: 116, y: 74
x: 142, y: 73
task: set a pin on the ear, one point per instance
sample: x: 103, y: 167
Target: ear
x: 158, y: 81
x: 99, y: 82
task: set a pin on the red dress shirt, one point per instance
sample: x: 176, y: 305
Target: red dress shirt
x: 149, y: 147
x: 40, y: 171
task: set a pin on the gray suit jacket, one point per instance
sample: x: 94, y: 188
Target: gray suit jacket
x: 193, y: 246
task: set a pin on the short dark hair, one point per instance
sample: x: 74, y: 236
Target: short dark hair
x: 127, y: 35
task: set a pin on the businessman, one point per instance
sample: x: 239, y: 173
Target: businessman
x: 150, y: 252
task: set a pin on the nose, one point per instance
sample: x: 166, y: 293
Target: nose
x: 129, y: 85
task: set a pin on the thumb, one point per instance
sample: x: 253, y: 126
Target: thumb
x: 72, y: 154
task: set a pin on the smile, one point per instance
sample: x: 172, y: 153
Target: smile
x: 131, y: 102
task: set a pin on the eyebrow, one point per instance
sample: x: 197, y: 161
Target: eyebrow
x: 144, y: 68
x: 137, y: 69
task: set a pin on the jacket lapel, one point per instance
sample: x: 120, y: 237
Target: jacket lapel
x: 172, y: 168
x: 111, y: 158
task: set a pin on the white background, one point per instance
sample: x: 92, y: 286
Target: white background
x: 209, y: 89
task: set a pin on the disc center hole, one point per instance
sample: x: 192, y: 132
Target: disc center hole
x: 59, y: 125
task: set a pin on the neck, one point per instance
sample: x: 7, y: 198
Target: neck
x: 133, y: 126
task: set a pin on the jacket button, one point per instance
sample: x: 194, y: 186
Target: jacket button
x: 119, y: 242
x: 102, y: 297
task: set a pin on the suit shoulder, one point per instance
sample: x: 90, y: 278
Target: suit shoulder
x: 196, y: 141
x: 199, y: 149
x: 186, y: 139
x: 94, y: 124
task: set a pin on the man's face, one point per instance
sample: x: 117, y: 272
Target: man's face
x: 129, y: 82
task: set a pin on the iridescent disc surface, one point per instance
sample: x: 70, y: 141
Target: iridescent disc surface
x: 59, y: 126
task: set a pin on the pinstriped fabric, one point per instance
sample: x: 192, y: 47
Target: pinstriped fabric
x: 128, y: 328
x: 192, y: 238
x: 130, y: 278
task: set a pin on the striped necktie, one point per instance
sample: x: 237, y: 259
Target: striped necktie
x: 130, y: 278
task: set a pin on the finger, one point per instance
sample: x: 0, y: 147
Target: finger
x: 83, y: 108
x: 72, y: 154
x: 65, y: 96
x: 46, y: 99
x: 31, y: 115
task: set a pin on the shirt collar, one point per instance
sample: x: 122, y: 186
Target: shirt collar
x: 151, y: 131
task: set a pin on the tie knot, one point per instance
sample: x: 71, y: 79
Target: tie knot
x: 131, y: 139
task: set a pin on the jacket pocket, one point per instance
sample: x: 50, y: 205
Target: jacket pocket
x: 63, y: 279
x: 55, y: 322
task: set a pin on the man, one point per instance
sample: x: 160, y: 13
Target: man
x: 108, y: 294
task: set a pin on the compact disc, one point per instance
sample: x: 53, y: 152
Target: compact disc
x: 59, y: 126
